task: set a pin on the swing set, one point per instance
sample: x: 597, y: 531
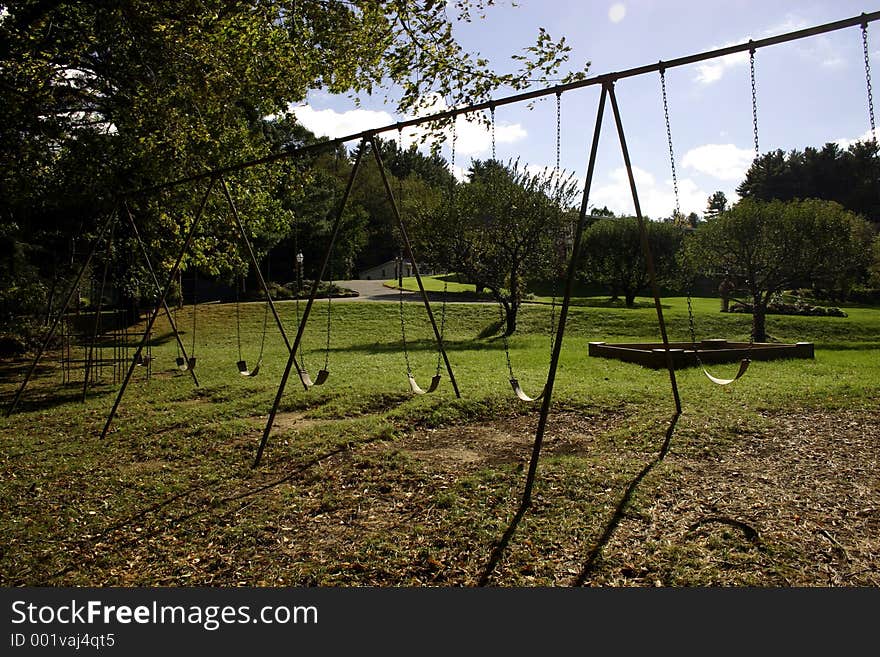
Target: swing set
x: 368, y: 141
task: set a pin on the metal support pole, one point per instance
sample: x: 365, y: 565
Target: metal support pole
x: 302, y: 324
x: 155, y: 313
x: 563, y: 311
x: 253, y: 259
x: 89, y: 359
x: 649, y: 261
x: 164, y: 304
x: 415, y: 268
x: 110, y: 219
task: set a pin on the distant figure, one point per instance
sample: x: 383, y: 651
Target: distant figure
x: 724, y: 290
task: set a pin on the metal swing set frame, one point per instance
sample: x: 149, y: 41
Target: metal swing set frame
x: 606, y: 82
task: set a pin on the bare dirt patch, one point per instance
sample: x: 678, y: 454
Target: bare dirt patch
x: 508, y: 440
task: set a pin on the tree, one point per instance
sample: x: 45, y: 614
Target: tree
x: 502, y: 230
x: 612, y: 255
x: 766, y: 247
x: 100, y: 98
x: 831, y: 173
x: 418, y: 181
x: 715, y: 205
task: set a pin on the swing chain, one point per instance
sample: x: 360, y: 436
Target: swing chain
x: 492, y: 112
x: 442, y: 324
x: 329, y: 319
x: 503, y: 326
x: 238, y: 314
x: 446, y: 280
x: 754, y: 99
x: 558, y: 130
x: 691, y: 326
x: 868, y: 79
x: 558, y: 178
x: 400, y: 264
x: 669, y: 141
x: 403, y: 322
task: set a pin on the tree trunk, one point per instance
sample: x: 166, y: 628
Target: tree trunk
x: 759, y: 317
x: 510, y: 311
x: 630, y: 298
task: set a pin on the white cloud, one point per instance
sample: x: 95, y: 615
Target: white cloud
x: 333, y: 124
x: 473, y: 138
x: 847, y: 142
x: 656, y: 199
x: 714, y: 69
x: 617, y: 12
x: 722, y: 161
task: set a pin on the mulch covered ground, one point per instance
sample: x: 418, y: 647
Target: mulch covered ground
x: 791, y: 499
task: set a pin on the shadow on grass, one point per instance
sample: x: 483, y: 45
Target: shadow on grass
x: 501, y: 546
x: 170, y: 520
x: 614, y: 521
x: 619, y: 512
x: 848, y: 346
x: 71, y: 393
x: 14, y: 372
x: 419, y: 347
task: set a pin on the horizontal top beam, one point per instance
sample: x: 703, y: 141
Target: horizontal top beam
x: 606, y: 78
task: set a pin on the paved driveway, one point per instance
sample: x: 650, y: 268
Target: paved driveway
x: 374, y: 291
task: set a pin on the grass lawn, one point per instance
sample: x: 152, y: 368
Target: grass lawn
x: 768, y: 482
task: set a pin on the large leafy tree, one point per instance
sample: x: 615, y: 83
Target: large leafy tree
x: 612, y: 255
x: 502, y: 230
x: 115, y: 95
x: 766, y: 247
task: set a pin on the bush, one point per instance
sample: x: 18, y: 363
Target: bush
x: 791, y: 309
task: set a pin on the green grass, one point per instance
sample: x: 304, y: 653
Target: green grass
x: 173, y: 480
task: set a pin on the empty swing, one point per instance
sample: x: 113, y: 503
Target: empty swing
x: 302, y: 370
x: 184, y: 364
x: 242, y: 363
x: 437, y: 377
x: 746, y: 360
x: 512, y: 377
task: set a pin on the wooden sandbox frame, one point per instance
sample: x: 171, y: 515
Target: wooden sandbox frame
x: 653, y: 355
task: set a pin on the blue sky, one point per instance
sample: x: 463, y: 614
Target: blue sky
x: 809, y: 92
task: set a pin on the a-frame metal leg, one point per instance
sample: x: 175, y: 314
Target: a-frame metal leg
x: 409, y: 254
x: 563, y: 311
x: 45, y: 345
x: 649, y: 264
x: 607, y: 91
x: 155, y: 280
x: 155, y: 313
x: 253, y: 259
x: 314, y: 292
x: 87, y: 369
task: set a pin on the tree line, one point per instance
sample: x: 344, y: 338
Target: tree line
x: 105, y: 98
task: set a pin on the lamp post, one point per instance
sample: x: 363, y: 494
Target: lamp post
x: 299, y: 267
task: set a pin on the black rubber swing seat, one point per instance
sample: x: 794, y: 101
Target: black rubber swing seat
x: 184, y: 365
x: 244, y: 371
x: 517, y: 389
x: 320, y: 379
x: 141, y: 361
x: 417, y: 389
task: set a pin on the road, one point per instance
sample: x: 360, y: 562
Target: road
x: 374, y: 291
